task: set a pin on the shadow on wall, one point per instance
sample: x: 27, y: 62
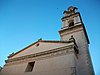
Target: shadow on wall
x: 0, y: 68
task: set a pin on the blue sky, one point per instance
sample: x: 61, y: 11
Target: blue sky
x: 23, y: 22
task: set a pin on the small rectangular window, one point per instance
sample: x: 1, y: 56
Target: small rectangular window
x: 29, y: 67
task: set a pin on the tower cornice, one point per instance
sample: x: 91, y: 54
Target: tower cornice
x: 75, y: 28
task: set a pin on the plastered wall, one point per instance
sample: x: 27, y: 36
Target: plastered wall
x: 60, y: 65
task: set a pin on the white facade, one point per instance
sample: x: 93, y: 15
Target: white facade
x: 69, y: 56
x: 59, y: 58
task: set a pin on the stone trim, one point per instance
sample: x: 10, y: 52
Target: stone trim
x: 71, y: 32
x: 42, y: 55
x: 75, y: 27
x: 40, y: 40
x: 75, y: 14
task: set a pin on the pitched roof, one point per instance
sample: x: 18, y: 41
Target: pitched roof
x: 40, y: 40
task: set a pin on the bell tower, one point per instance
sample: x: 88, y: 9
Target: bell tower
x: 71, y: 21
x: 72, y: 25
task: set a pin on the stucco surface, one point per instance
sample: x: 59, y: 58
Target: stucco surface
x: 60, y: 65
x: 42, y: 47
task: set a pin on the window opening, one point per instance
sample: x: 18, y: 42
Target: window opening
x: 37, y: 44
x: 71, y: 23
x: 29, y: 67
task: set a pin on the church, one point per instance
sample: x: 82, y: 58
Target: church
x: 67, y: 56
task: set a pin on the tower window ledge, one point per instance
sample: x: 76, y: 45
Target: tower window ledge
x: 78, y: 23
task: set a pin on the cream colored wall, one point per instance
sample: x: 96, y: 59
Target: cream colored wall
x: 82, y: 64
x: 77, y: 19
x: 65, y: 21
x: 60, y: 65
x: 43, y: 46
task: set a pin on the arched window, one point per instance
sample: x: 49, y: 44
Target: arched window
x: 71, y: 23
